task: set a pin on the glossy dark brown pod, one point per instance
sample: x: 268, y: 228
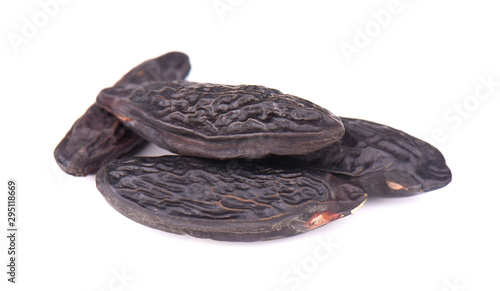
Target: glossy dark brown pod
x: 170, y: 66
x: 385, y: 161
x: 222, y: 121
x: 98, y: 136
x: 94, y: 139
x: 233, y: 200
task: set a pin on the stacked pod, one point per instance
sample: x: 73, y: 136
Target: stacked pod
x: 251, y: 163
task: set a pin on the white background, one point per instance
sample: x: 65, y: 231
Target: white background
x: 417, y: 66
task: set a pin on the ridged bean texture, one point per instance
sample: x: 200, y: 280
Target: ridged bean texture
x: 222, y: 121
x: 98, y: 136
x: 234, y: 200
x: 94, y: 139
x: 385, y: 161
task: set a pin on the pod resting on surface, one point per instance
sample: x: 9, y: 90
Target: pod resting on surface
x: 94, y: 139
x: 384, y: 161
x: 98, y: 136
x: 222, y: 121
x: 234, y: 200
x: 309, y: 166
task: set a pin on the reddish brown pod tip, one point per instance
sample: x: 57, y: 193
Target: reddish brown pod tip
x: 98, y: 136
x: 234, y: 200
x: 223, y: 121
x: 385, y: 161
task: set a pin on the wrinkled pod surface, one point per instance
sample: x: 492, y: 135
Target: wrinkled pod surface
x: 222, y: 121
x: 234, y: 200
x: 385, y: 161
x: 98, y: 136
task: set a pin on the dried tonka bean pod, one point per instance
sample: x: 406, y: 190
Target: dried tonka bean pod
x: 98, y: 136
x: 94, y: 139
x: 232, y: 200
x: 170, y: 66
x: 223, y: 121
x: 384, y: 161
